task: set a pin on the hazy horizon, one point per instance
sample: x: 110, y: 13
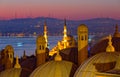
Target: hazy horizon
x: 70, y: 9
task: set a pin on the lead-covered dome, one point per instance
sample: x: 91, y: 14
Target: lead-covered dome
x: 55, y: 69
x: 99, y: 63
x: 102, y: 44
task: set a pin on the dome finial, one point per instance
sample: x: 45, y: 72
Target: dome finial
x: 58, y: 56
x: 110, y: 47
x: 17, y: 65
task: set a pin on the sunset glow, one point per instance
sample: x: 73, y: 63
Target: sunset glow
x: 71, y: 9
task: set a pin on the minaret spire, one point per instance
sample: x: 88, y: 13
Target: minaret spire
x: 110, y: 47
x: 65, y: 34
x: 45, y: 33
x: 116, y: 29
x: 116, y: 33
x: 17, y: 65
x: 24, y: 55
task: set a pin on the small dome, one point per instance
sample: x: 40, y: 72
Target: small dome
x: 58, y: 57
x: 55, y: 69
x: 101, y: 62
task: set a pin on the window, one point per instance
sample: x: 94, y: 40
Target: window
x: 10, y: 55
x: 82, y: 38
x: 40, y: 47
x: 85, y: 37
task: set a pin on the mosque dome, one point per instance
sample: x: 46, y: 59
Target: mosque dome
x: 55, y: 68
x: 98, y: 63
x: 102, y: 44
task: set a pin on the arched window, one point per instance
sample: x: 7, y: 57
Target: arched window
x: 82, y: 38
x: 85, y: 37
x: 79, y: 38
x: 10, y: 55
x: 40, y: 47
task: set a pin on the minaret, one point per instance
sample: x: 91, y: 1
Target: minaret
x: 40, y: 50
x: 45, y: 34
x: 65, y: 34
x: 116, y: 33
x: 24, y: 55
x: 82, y: 43
x: 17, y: 65
x: 110, y: 47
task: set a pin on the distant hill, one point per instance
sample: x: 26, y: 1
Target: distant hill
x: 55, y: 26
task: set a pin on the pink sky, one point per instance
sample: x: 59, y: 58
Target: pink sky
x: 70, y: 9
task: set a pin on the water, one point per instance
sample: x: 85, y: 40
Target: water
x: 25, y: 43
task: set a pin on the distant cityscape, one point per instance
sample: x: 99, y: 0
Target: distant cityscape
x: 34, y: 26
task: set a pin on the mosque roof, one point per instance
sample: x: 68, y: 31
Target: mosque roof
x: 68, y: 52
x: 54, y: 69
x: 70, y: 37
x: 98, y: 63
x: 29, y: 63
x: 102, y: 44
x: 1, y: 67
